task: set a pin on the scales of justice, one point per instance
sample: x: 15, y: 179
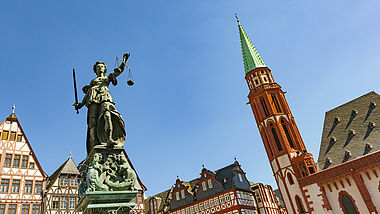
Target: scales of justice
x: 109, y: 183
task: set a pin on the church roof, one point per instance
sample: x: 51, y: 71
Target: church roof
x: 251, y: 57
x: 350, y: 131
x: 68, y: 168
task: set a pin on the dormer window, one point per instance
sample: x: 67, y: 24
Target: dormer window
x: 209, y: 184
x: 204, y: 187
x: 240, y: 177
x: 182, y: 193
x: 177, y: 196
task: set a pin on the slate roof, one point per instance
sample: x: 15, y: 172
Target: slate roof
x: 68, y: 168
x: 350, y: 131
x: 226, y: 176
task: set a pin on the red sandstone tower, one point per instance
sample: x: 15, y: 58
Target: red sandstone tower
x: 286, y: 151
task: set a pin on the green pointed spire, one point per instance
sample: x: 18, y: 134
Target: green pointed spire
x: 251, y: 57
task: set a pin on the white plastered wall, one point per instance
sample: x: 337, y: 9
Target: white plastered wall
x: 373, y: 185
x: 352, y: 190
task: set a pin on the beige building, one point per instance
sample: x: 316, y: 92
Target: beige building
x: 21, y: 176
x: 61, y: 194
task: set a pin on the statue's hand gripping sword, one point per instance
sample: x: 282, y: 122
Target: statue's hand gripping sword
x: 75, y: 91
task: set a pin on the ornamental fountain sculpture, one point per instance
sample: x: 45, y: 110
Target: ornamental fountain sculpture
x: 108, y: 181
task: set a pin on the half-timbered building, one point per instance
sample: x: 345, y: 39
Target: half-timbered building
x: 61, y: 194
x: 21, y: 176
x: 226, y: 190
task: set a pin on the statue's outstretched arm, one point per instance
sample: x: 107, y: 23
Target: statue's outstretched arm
x: 120, y: 69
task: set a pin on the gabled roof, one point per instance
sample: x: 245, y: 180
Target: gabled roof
x: 350, y: 131
x: 13, y: 118
x: 226, y: 176
x: 67, y: 168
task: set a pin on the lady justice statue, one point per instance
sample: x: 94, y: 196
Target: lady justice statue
x: 105, y: 124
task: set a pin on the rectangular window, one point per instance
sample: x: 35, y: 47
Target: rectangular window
x: 15, y: 186
x: 240, y: 178
x: 4, y: 185
x: 63, y: 181
x: 221, y: 198
x: 31, y: 165
x: 182, y: 193
x: 2, y: 208
x: 28, y: 187
x: 16, y: 161
x: 24, y: 163
x: 209, y: 184
x: 38, y: 187
x: 204, y: 187
x: 196, y: 208
x: 19, y: 138
x: 72, y: 203
x: 8, y: 160
x: 206, y: 204
x: 36, y: 209
x: 25, y: 209
x: 55, y: 202
x: 73, y: 182
x: 191, y: 209
x: 211, y: 202
x: 12, y: 208
x: 13, y: 136
x: 200, y: 206
x: 276, y: 104
x: 216, y: 200
x: 62, y: 203
x: 5, y: 135
x: 177, y: 196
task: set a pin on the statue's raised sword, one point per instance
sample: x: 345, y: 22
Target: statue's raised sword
x: 75, y: 89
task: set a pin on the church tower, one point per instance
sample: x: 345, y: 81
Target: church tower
x: 285, y: 148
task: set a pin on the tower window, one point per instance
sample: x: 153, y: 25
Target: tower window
x: 276, y: 139
x: 301, y: 210
x: 270, y: 149
x: 287, y: 134
x: 290, y: 178
x: 257, y: 82
x: 276, y: 104
x: 182, y: 193
x: 209, y: 184
x: 265, y: 108
x: 204, y: 187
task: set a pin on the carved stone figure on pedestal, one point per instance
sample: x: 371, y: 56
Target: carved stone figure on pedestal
x: 108, y: 181
x: 105, y: 124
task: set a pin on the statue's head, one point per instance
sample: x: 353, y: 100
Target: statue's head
x: 100, y: 67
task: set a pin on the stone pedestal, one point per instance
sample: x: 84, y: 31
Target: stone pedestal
x: 114, y: 202
x: 108, y: 182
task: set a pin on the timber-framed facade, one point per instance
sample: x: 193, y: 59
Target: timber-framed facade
x: 22, y: 178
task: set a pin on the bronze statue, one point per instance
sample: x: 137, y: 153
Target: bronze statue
x: 105, y: 124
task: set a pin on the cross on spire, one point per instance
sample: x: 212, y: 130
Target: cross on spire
x: 13, y: 109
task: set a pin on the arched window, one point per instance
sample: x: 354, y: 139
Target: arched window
x: 287, y: 134
x: 153, y: 206
x: 270, y: 149
x: 276, y: 139
x: 290, y: 178
x: 276, y: 104
x: 300, y: 207
x: 347, y: 204
x: 264, y: 105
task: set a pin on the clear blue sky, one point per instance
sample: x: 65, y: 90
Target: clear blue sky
x: 188, y: 106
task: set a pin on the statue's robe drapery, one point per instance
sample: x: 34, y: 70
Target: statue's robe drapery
x: 98, y: 101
